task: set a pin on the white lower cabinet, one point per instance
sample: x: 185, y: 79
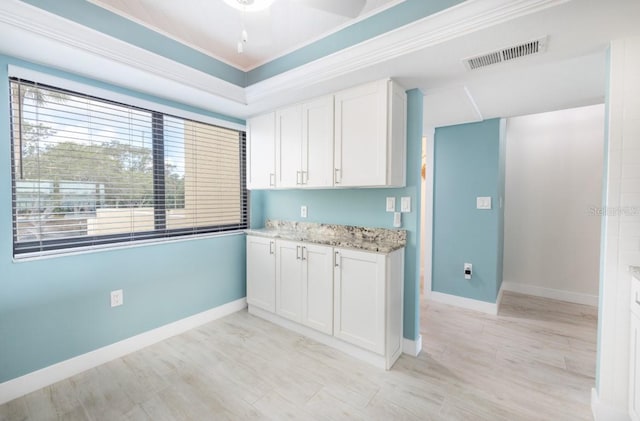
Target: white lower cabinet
x: 304, y: 284
x: 261, y: 272
x: 345, y: 298
x: 317, y: 287
x: 368, y: 291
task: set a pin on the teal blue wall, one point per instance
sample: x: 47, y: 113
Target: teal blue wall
x: 364, y: 207
x: 56, y: 308
x: 467, y: 164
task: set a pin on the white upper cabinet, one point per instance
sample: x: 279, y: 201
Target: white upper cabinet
x: 317, y: 143
x: 304, y: 145
x: 370, y: 136
x: 261, y: 146
x: 289, y: 147
x: 355, y: 138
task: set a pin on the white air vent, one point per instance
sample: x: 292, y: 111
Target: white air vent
x: 507, y: 54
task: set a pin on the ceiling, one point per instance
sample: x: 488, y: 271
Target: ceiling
x: 427, y: 54
x: 213, y: 27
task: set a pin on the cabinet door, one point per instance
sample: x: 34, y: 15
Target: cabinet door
x: 317, y: 287
x: 359, y: 298
x: 289, y: 280
x: 361, y: 135
x: 261, y: 147
x: 289, y: 147
x: 634, y: 369
x: 317, y: 143
x: 261, y: 273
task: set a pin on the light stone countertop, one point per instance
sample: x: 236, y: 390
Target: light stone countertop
x: 377, y: 240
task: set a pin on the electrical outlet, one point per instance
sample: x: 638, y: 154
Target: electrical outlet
x: 303, y: 211
x: 397, y: 219
x: 468, y: 270
x: 117, y: 298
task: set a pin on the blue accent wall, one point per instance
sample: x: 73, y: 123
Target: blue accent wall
x: 364, y: 207
x: 468, y: 162
x: 52, y: 309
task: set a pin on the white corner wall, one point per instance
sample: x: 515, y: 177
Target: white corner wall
x: 553, y: 194
x: 621, y: 242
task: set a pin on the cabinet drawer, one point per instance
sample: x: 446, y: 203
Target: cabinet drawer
x: 635, y: 296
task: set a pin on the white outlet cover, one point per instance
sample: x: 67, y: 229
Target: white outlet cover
x: 397, y: 219
x: 391, y: 204
x: 483, y: 202
x: 117, y: 298
x: 405, y: 204
x: 303, y: 211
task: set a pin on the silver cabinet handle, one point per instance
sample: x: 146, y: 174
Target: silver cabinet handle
x: 297, y: 252
x: 298, y: 173
x: 271, y: 244
x: 305, y: 177
x: 337, y: 176
x: 303, y: 249
x: 272, y: 179
x: 337, y: 258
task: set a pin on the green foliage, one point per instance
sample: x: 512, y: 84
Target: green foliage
x: 124, y: 171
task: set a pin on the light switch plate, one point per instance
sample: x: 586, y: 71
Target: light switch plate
x: 483, y: 202
x: 391, y: 204
x: 405, y: 204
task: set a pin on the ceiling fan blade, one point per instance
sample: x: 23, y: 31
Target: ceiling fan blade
x: 348, y: 8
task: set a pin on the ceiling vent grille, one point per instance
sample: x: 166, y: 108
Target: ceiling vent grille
x: 507, y: 54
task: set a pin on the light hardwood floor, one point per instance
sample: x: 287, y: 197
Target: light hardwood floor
x: 534, y: 361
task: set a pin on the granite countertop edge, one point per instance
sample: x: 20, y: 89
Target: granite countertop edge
x: 350, y: 243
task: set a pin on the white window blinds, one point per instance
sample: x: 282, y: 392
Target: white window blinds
x: 88, y: 172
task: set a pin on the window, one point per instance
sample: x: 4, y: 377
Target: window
x: 89, y: 172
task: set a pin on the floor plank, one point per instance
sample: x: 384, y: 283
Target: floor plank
x: 534, y: 361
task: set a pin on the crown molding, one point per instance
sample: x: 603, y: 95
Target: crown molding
x: 81, y: 50
x: 463, y: 19
x: 28, y: 25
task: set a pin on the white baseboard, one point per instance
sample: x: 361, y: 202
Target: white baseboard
x: 604, y: 412
x: 412, y: 348
x: 499, y: 297
x: 33, y: 381
x: 556, y: 294
x: 468, y: 303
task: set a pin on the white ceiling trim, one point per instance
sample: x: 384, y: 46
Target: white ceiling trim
x: 459, y: 20
x: 326, y: 34
x: 154, y: 28
x: 162, y: 32
x: 37, y: 21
